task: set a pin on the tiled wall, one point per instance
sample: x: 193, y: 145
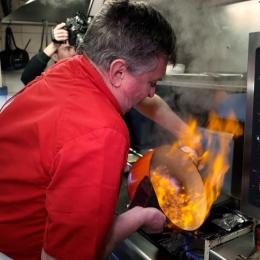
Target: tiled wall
x: 22, y: 33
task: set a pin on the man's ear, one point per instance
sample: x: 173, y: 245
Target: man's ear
x: 117, y: 71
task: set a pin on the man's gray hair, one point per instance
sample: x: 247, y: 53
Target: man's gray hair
x: 133, y: 31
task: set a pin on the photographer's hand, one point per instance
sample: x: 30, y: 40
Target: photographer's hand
x: 59, y: 34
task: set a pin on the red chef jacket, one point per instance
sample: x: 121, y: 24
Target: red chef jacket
x: 63, y: 146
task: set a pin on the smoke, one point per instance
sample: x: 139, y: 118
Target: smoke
x: 60, y: 3
x: 209, y: 39
x: 191, y: 102
x: 196, y: 30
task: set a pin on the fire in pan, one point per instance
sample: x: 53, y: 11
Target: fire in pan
x: 180, y: 193
x: 167, y: 178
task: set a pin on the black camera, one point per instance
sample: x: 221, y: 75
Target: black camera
x: 77, y: 27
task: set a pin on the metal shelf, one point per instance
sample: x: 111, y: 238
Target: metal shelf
x: 227, y: 82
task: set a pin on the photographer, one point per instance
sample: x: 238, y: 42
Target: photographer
x: 55, y: 51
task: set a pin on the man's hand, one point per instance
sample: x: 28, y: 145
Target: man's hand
x: 191, y: 152
x: 151, y: 220
x: 154, y: 220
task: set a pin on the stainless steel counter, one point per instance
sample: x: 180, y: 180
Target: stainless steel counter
x: 136, y: 247
x: 239, y: 248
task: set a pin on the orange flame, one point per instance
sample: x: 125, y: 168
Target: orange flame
x: 176, y: 203
x: 188, y: 210
x: 216, y: 163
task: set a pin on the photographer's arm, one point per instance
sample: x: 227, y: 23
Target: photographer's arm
x: 38, y: 63
x: 34, y: 67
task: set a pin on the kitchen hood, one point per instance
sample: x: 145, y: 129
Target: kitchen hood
x: 53, y: 12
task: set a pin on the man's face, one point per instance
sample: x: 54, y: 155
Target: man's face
x: 65, y: 51
x: 138, y: 87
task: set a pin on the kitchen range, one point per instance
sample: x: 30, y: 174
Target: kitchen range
x: 229, y: 208
x: 215, y: 215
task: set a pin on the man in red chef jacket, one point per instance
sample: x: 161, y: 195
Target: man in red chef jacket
x: 63, y: 143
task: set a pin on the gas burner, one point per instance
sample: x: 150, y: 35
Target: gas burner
x: 197, y: 244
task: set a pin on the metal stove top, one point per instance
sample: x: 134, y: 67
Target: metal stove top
x: 197, y: 245
x: 178, y: 244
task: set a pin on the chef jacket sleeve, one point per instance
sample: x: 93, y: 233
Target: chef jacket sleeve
x: 82, y: 195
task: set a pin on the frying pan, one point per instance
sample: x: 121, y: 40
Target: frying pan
x: 176, y: 183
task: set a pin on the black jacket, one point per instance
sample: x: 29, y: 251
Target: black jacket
x: 35, y: 67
